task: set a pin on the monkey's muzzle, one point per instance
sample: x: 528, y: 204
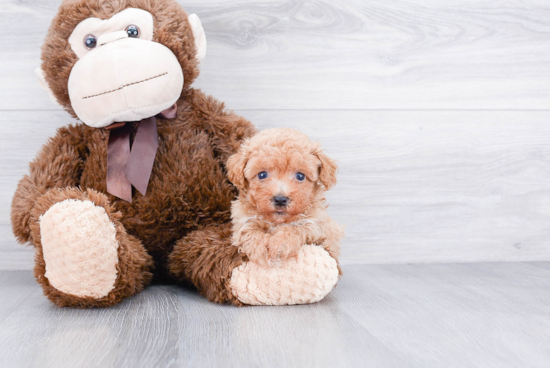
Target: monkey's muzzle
x: 124, y: 80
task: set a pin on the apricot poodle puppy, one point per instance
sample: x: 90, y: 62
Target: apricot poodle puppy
x: 282, y: 177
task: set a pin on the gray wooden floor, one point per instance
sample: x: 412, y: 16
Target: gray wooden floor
x: 445, y: 315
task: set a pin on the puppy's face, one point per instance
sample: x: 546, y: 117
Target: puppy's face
x: 281, y: 186
x: 280, y: 172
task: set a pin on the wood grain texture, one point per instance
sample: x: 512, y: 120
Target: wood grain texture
x: 469, y: 315
x: 328, y: 54
x: 414, y: 186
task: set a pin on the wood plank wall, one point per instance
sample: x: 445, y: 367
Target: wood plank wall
x: 437, y: 112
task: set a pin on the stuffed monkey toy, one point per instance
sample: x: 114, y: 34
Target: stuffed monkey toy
x: 137, y: 189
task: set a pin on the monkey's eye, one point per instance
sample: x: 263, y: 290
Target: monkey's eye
x: 262, y: 175
x: 90, y: 41
x: 133, y: 31
x: 300, y: 176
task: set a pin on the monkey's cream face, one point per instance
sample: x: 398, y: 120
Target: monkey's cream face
x: 122, y: 74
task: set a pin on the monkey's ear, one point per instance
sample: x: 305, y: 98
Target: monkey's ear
x: 198, y: 34
x: 235, y: 168
x: 327, y: 170
x: 42, y: 80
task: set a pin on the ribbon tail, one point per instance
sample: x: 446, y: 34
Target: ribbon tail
x: 142, y: 156
x: 118, y: 152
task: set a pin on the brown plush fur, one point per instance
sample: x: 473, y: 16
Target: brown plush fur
x: 269, y: 234
x: 206, y: 258
x: 188, y: 190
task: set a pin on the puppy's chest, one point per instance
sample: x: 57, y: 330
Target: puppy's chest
x: 272, y: 228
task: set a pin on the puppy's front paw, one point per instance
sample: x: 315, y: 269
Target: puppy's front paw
x: 282, y: 246
x: 256, y: 252
x: 275, y: 262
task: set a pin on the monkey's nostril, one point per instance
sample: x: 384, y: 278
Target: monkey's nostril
x: 280, y: 201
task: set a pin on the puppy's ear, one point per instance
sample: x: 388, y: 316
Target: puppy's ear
x: 327, y: 170
x: 235, y: 168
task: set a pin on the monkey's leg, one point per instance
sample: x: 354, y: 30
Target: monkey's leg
x: 207, y: 259
x: 84, y: 257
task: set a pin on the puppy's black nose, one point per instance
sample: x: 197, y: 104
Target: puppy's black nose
x: 280, y: 201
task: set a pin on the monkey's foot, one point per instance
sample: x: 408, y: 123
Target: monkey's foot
x: 308, y: 278
x: 84, y: 256
x: 80, y: 248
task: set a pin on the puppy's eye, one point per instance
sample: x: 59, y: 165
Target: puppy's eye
x: 133, y: 31
x: 300, y: 176
x: 90, y: 41
x: 262, y: 175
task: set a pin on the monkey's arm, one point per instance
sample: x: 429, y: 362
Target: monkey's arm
x: 226, y: 128
x: 58, y: 165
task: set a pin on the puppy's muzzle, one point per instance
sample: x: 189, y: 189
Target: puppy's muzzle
x: 280, y: 201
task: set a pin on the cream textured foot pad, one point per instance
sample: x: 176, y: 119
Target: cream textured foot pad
x: 80, y: 248
x: 306, y: 279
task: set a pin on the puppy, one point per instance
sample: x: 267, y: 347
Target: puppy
x: 282, y: 177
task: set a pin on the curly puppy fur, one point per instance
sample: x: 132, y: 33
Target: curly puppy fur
x: 266, y: 230
x: 188, y: 189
